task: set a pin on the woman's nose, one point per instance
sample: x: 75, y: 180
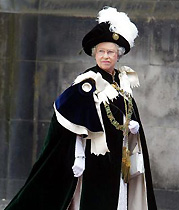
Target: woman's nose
x: 106, y: 55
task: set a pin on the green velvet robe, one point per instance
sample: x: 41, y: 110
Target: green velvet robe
x: 51, y: 184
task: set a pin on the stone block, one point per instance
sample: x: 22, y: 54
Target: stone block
x: 5, y: 78
x: 20, y: 149
x: 47, y: 84
x: 26, y: 5
x: 157, y: 97
x: 3, y: 149
x: 166, y: 10
x: 70, y: 7
x: 162, y: 143
x: 25, y: 36
x: 60, y: 37
x: 6, y: 38
x: 2, y: 188
x: 167, y: 200
x: 164, y: 45
x: 137, y: 9
x: 23, y: 90
x: 19, y: 6
x: 6, y: 5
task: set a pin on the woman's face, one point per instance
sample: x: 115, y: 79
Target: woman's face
x: 106, y: 56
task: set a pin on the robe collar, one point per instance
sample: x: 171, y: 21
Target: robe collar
x: 107, y: 76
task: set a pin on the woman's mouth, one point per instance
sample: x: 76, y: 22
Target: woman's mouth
x: 105, y: 62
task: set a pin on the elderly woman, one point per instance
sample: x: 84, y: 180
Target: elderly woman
x: 85, y: 163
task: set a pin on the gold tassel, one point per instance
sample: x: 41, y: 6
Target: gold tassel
x: 126, y: 164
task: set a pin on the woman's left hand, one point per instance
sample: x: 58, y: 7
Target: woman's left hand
x: 133, y: 126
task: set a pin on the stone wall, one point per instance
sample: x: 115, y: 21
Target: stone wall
x: 40, y: 43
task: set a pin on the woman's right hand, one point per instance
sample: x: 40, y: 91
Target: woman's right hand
x: 79, y: 166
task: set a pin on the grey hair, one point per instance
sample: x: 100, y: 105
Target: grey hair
x: 120, y: 50
x: 93, y: 51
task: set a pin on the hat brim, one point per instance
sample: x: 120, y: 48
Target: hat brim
x: 101, y: 33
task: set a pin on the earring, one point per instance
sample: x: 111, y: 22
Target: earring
x: 118, y: 66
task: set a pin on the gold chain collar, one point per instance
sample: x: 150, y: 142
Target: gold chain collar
x: 125, y: 167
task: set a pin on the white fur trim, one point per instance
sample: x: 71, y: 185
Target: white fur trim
x: 69, y: 125
x: 98, y: 142
x: 87, y: 75
x: 104, y: 90
x: 98, y: 139
x: 128, y: 79
x: 132, y: 76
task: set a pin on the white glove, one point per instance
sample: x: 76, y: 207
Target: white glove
x: 79, y: 164
x: 133, y: 126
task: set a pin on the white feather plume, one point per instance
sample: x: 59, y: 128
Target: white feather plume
x: 119, y: 23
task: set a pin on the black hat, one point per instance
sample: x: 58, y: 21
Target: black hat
x: 113, y: 26
x: 101, y: 33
